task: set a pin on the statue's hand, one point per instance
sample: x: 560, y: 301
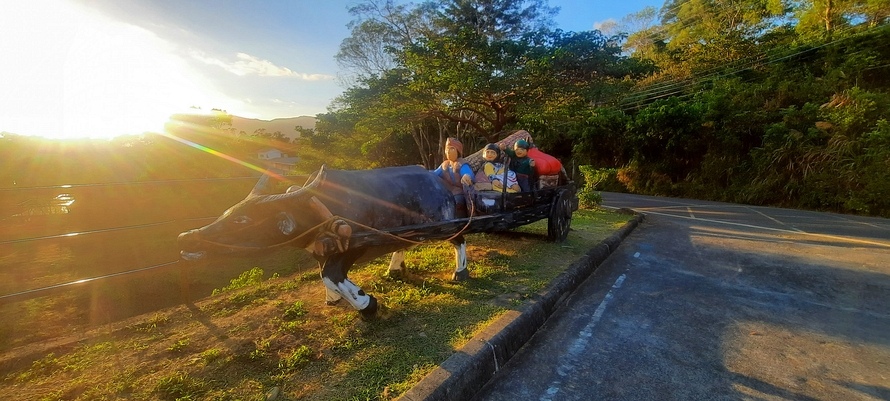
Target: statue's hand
x: 466, y: 179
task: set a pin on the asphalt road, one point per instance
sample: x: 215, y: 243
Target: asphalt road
x: 717, y: 301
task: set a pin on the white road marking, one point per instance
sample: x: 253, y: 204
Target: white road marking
x: 689, y: 209
x: 834, y: 237
x: 777, y: 221
x: 581, y: 343
x: 858, y: 222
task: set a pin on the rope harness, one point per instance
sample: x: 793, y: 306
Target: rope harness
x: 333, y: 234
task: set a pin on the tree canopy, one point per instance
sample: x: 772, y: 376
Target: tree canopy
x: 466, y: 68
x: 780, y: 102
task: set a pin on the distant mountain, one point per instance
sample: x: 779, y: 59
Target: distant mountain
x: 283, y: 125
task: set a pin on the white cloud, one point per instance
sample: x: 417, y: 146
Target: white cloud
x: 246, y: 64
x: 606, y: 26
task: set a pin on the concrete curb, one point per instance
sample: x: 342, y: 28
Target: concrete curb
x: 467, y: 370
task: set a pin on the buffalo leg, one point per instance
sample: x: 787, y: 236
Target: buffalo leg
x: 331, y: 297
x: 397, y: 264
x: 461, y: 272
x: 333, y: 274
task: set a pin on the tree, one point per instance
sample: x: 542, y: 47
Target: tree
x: 495, y: 20
x: 641, y: 32
x: 380, y: 30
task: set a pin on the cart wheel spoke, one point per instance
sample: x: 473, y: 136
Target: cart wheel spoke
x: 560, y: 216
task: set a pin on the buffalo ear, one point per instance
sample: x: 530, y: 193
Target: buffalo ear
x: 261, y: 187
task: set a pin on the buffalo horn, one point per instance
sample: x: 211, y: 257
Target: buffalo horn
x: 261, y: 187
x: 319, y: 176
x: 296, y: 192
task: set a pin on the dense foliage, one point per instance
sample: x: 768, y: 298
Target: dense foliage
x: 767, y: 102
x: 468, y: 69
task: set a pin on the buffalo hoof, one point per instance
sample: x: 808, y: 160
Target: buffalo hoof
x: 370, y: 311
x: 400, y: 273
x: 461, y: 275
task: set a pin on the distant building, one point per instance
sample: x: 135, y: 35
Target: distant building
x: 276, y: 159
x: 269, y: 154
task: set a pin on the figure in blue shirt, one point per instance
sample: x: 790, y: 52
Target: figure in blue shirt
x: 454, y: 171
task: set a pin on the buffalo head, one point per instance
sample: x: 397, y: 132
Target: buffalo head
x: 258, y: 222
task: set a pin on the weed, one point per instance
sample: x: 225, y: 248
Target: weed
x: 180, y: 386
x: 292, y: 327
x: 151, y: 325
x: 125, y: 381
x: 179, y: 345
x: 242, y: 299
x: 248, y: 278
x: 341, y: 320
x: 348, y: 343
x: 211, y: 355
x: 308, y: 276
x: 45, y: 366
x: 260, y: 351
x: 296, y: 310
x: 137, y: 345
x: 291, y: 285
x: 298, y: 358
x: 408, y: 295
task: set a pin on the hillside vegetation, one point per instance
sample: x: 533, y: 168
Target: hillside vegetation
x: 774, y: 103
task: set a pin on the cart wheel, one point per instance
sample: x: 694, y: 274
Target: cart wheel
x: 560, y: 216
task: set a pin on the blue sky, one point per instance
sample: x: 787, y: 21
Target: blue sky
x: 107, y: 67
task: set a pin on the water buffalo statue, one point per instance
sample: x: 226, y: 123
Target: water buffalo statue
x: 325, y: 214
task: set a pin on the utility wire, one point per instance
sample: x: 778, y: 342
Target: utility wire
x: 104, y: 230
x: 690, y: 81
x: 83, y: 281
x: 686, y: 23
x: 680, y: 85
x: 720, y: 70
x: 124, y: 183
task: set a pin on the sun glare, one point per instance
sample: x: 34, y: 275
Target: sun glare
x: 73, y: 73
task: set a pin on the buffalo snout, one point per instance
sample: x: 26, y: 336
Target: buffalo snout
x: 189, y: 242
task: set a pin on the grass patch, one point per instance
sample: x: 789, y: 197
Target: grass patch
x: 251, y: 277
x: 256, y: 334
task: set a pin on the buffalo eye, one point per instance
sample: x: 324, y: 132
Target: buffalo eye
x: 241, y: 219
x: 286, y: 223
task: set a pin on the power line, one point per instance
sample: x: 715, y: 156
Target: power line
x: 685, y: 82
x: 125, y: 183
x: 104, y: 230
x: 689, y: 82
x: 661, y: 88
x: 83, y: 281
x: 678, y: 86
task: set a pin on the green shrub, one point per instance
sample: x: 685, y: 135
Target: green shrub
x: 298, y: 358
x: 250, y: 277
x: 296, y: 310
x: 596, y: 180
